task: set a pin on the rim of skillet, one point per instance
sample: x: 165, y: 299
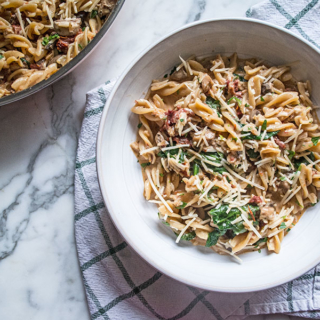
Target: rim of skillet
x: 75, y: 62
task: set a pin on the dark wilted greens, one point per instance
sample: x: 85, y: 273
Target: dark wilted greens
x: 253, y: 137
x: 223, y: 220
x: 214, y: 104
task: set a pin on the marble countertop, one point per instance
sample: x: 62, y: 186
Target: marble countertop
x: 39, y: 273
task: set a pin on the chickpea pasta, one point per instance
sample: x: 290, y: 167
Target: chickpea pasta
x: 38, y: 37
x: 230, y: 152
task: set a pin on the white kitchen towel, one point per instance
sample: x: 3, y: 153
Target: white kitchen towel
x: 119, y: 284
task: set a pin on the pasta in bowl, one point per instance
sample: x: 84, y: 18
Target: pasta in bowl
x: 38, y: 38
x: 279, y: 54
x: 229, y: 150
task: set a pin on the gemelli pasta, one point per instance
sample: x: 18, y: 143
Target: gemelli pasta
x: 230, y: 152
x: 38, y: 37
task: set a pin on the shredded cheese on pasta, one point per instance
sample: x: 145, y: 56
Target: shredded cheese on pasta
x: 40, y: 37
x: 220, y: 176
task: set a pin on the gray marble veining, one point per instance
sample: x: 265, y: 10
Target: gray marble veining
x: 39, y: 272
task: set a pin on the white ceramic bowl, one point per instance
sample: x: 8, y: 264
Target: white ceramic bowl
x: 120, y: 174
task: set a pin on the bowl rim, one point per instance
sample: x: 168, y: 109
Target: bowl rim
x: 70, y: 65
x: 99, y: 163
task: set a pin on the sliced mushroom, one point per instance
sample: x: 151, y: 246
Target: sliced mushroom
x: 266, y: 88
x: 54, y: 59
x: 161, y: 142
x: 283, y: 187
x: 39, y: 65
x: 105, y: 7
x: 267, y: 212
x: 179, y: 75
x: 67, y: 27
x: 206, y: 83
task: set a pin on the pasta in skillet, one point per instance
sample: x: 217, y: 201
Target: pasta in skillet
x: 230, y: 152
x: 38, y: 37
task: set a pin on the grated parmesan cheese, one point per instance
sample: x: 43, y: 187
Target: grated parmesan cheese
x: 292, y: 194
x: 295, y: 138
x: 21, y: 22
x: 263, y: 161
x: 185, y: 229
x: 237, y: 220
x: 175, y: 147
x: 263, y: 135
x: 287, y: 158
x: 222, y: 69
x: 249, y: 223
x: 211, y: 184
x: 204, y: 160
x: 215, y: 66
x: 241, y: 178
x: 295, y: 180
x: 282, y: 175
x: 148, y: 150
x: 157, y: 192
x: 201, y: 136
x: 186, y: 131
x: 309, y: 160
x: 193, y: 127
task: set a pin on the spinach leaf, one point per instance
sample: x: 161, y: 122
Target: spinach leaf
x: 223, y: 220
x: 213, y: 238
x: 162, y: 154
x: 254, y: 209
x: 214, y: 157
x: 217, y: 169
x: 250, y: 136
x: 241, y: 78
x: 282, y: 225
x: 238, y: 228
x: 45, y: 41
x: 143, y: 165
x: 236, y: 99
x: 291, y: 154
x: 214, y: 104
x: 270, y: 134
x: 25, y: 61
x: 164, y: 222
x: 188, y: 236
x: 54, y: 36
x: 311, y: 156
x: 252, y: 154
x: 93, y: 14
x: 182, y: 205
x: 264, y: 125
x: 172, y: 154
x: 262, y: 240
x: 297, y: 163
x: 253, y: 137
x: 315, y: 140
x: 196, y: 169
